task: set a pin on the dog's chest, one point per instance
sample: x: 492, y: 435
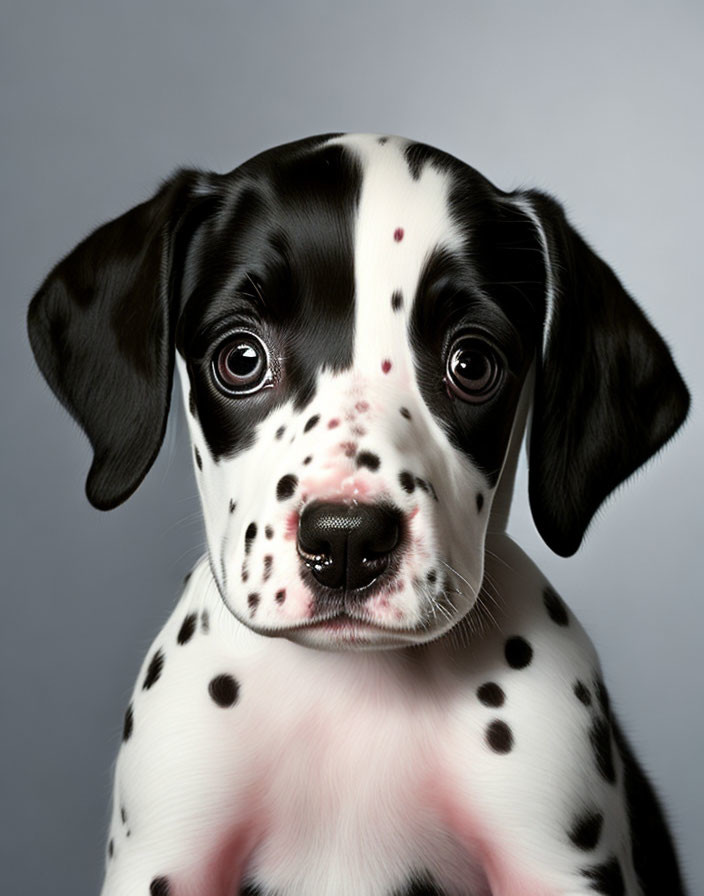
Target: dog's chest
x: 352, y: 787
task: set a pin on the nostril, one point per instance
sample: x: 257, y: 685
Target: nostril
x: 348, y: 545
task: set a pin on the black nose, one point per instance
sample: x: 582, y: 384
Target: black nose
x: 348, y: 546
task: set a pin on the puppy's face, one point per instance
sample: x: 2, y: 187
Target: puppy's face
x: 351, y: 363
x: 354, y: 319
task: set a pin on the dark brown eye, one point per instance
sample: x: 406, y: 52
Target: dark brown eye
x: 474, y: 369
x: 241, y: 365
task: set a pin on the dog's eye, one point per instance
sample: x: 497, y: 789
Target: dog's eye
x: 241, y: 365
x: 474, y: 369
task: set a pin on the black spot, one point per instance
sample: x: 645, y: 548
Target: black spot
x: 123, y: 814
x: 268, y: 565
x: 419, y: 885
x: 245, y: 573
x: 582, y: 693
x: 307, y: 460
x: 311, y: 422
x: 432, y: 577
x: 253, y: 602
x: 369, y: 460
x: 518, y: 652
x: 602, y: 695
x: 111, y: 848
x: 490, y: 694
x: 499, y: 737
x: 153, y: 670
x: 586, y: 830
x: 269, y: 532
x: 606, y: 878
x: 406, y: 413
x: 185, y: 633
x: 128, y: 724
x: 397, y: 300
x: 233, y: 505
x: 199, y: 460
x: 381, y: 140
x: 480, y: 502
x: 286, y: 486
x: 600, y: 737
x: 159, y: 887
x: 553, y: 604
x: 187, y: 577
x: 191, y: 403
x: 249, y: 537
x: 280, y: 431
x: 408, y: 483
x: 280, y: 596
x: 224, y: 690
x: 205, y: 622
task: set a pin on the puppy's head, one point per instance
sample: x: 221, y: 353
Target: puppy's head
x: 354, y: 320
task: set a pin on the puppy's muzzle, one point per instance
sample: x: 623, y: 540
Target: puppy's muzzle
x: 347, y: 547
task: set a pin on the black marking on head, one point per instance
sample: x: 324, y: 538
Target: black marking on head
x: 491, y: 694
x: 188, y: 627
x: 480, y: 502
x: 397, y: 300
x: 408, y: 483
x: 307, y: 460
x: 381, y: 140
x: 252, y: 602
x: 586, y: 830
x: 268, y: 531
x: 280, y: 431
x: 199, y: 459
x: 582, y: 693
x: 606, y: 878
x: 205, y: 622
x: 499, y: 737
x: 233, y: 506
x: 111, y: 848
x: 369, y: 460
x: 286, y: 486
x: 128, y: 725
x: 160, y: 887
x: 280, y: 596
x: 555, y: 607
x: 285, y: 223
x: 268, y: 566
x: 406, y: 413
x: 518, y: 652
x: 497, y: 285
x: 311, y: 422
x: 600, y: 738
x: 249, y: 537
x: 154, y: 670
x: 224, y: 690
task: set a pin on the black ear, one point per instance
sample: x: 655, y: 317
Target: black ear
x: 101, y: 328
x: 607, y: 394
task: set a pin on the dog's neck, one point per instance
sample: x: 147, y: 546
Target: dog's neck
x: 501, y: 505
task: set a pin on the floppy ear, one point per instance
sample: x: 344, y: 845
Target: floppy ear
x: 101, y: 329
x: 607, y: 393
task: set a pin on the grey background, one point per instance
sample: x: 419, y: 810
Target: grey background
x: 599, y: 103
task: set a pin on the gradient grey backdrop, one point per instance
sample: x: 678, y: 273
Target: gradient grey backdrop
x: 600, y: 103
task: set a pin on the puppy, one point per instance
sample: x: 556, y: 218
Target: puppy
x: 367, y: 689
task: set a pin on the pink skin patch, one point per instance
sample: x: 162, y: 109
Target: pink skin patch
x: 385, y: 365
x: 398, y: 234
x: 333, y: 423
x: 362, y: 406
x: 350, y: 448
x: 291, y: 531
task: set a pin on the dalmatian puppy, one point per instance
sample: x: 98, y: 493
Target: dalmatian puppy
x: 366, y: 688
